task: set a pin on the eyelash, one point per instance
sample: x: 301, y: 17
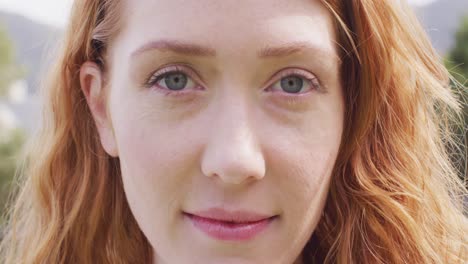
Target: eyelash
x: 288, y: 72
x: 159, y: 75
x: 293, y: 98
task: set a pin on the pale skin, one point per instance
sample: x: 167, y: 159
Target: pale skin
x: 237, y: 135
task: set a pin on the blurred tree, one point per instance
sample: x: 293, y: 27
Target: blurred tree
x: 457, y: 63
x: 9, y: 157
x: 457, y: 60
x: 9, y: 71
x: 11, y: 140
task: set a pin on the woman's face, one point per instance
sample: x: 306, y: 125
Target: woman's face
x: 223, y: 111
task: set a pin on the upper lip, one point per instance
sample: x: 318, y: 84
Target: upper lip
x: 220, y: 214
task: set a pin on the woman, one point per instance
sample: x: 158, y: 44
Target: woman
x: 262, y: 131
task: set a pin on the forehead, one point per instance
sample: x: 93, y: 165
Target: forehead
x: 230, y: 25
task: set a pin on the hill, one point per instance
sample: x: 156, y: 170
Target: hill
x: 32, y: 42
x: 441, y: 20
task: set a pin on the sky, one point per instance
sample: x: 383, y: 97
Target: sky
x: 55, y: 12
x: 52, y: 12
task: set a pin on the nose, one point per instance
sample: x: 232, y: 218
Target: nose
x: 232, y: 152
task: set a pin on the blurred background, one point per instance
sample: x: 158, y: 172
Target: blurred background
x: 30, y: 29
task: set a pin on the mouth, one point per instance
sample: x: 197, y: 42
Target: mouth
x: 231, y: 226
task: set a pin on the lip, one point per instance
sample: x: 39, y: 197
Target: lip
x: 230, y: 225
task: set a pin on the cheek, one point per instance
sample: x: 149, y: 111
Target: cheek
x: 305, y: 194
x: 302, y: 167
x: 304, y: 156
x: 306, y: 171
x: 155, y: 163
x: 151, y: 156
x: 147, y: 145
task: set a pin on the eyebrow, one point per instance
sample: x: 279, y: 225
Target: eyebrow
x: 176, y: 47
x: 288, y: 49
x: 205, y: 51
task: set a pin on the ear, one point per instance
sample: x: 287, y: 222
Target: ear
x: 91, y: 81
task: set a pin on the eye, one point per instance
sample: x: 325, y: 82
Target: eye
x: 172, y: 79
x: 296, y: 82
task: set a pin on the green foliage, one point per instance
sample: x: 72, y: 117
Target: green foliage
x: 10, y: 141
x: 9, y: 71
x: 458, y: 56
x: 457, y: 64
x: 10, y: 149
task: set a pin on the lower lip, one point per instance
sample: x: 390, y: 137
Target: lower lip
x: 229, y: 231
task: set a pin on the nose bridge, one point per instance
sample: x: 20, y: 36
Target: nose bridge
x: 233, y: 152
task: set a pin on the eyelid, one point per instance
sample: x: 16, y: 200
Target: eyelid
x: 164, y: 70
x: 297, y: 72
